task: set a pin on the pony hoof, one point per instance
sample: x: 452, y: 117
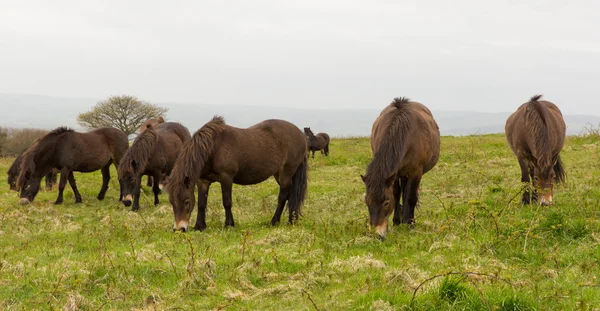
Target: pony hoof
x: 200, y: 227
x: 411, y: 226
x: 58, y: 202
x: 135, y: 208
x: 78, y: 201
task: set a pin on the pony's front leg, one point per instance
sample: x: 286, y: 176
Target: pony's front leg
x: 412, y: 197
x: 136, y: 193
x: 226, y: 186
x: 398, y: 184
x: 74, y: 187
x: 64, y: 174
x: 105, y: 179
x: 203, y: 187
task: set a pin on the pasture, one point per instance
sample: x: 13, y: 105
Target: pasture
x: 474, y: 246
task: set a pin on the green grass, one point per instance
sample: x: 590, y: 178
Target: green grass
x: 474, y: 246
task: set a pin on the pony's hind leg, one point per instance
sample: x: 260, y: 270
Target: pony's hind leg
x: 203, y: 187
x: 49, y: 181
x: 105, y: 179
x: 283, y: 196
x: 74, y: 187
x: 64, y: 174
x: 226, y: 187
x: 149, y: 181
x: 156, y: 187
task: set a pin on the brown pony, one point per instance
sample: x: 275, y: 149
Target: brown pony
x: 149, y: 123
x: 13, y: 174
x: 70, y: 151
x: 536, y: 134
x: 317, y: 142
x: 405, y: 141
x: 221, y: 153
x: 153, y: 153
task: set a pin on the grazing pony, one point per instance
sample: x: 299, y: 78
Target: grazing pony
x: 536, y: 135
x: 13, y: 174
x: 153, y: 153
x: 70, y: 151
x: 405, y: 140
x: 317, y: 142
x: 221, y: 153
x: 149, y: 123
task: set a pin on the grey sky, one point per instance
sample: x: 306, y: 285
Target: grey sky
x: 450, y: 55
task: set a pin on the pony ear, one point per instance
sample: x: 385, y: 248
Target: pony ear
x: 186, y: 182
x: 161, y: 119
x: 364, y: 178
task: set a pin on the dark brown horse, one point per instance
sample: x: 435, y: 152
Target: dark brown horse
x: 13, y: 174
x: 149, y: 123
x: 70, y: 151
x: 536, y: 134
x: 405, y: 141
x: 153, y: 153
x: 317, y: 142
x: 221, y: 153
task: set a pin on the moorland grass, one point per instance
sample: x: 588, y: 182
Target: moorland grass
x: 474, y: 247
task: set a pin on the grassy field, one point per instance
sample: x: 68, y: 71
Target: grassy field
x: 474, y: 247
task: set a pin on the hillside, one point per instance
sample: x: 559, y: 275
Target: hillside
x: 49, y: 112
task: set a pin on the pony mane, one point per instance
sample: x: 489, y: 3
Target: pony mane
x: 536, y: 116
x: 59, y: 130
x: 308, y: 132
x: 385, y: 160
x: 194, y: 154
x: 140, y: 152
x: 398, y: 102
x: 27, y: 166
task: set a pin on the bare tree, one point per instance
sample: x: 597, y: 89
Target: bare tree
x: 124, y: 112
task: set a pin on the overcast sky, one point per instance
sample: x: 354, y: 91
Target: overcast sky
x: 450, y: 55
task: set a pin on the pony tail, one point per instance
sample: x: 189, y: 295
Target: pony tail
x: 559, y: 171
x: 298, y: 188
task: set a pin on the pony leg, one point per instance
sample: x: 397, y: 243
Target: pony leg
x: 226, y: 187
x: 203, y: 187
x: 525, y: 178
x: 410, y: 199
x: 136, y: 194
x: 149, y: 181
x: 284, y: 193
x: 156, y: 187
x: 398, y: 184
x: 49, y: 181
x: 74, y: 187
x: 64, y: 173
x: 105, y: 179
x: 313, y: 154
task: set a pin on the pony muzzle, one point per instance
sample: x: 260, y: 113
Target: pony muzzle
x: 24, y: 201
x: 181, y: 225
x: 546, y: 200
x: 127, y: 200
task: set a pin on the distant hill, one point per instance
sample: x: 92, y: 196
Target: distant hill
x: 49, y: 112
